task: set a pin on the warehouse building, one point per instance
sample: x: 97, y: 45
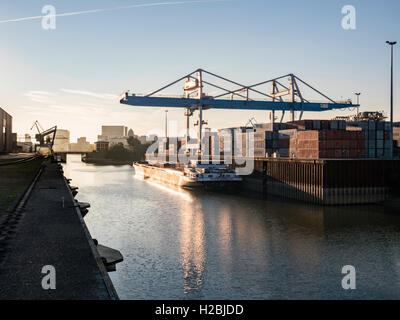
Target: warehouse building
x: 6, y: 136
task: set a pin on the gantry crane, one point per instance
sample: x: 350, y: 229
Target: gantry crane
x: 241, y: 97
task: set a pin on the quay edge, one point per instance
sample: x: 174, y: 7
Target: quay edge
x: 50, y: 230
x: 326, y: 182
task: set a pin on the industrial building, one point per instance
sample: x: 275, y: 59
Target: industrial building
x: 61, y: 141
x: 26, y: 145
x: 111, y: 131
x: 114, y: 135
x: 6, y: 135
x: 81, y: 146
x: 101, y: 146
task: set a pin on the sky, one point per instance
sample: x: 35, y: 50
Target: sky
x: 71, y: 76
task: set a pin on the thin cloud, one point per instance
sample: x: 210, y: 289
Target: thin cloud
x: 91, y: 94
x: 40, y: 96
x: 154, y: 4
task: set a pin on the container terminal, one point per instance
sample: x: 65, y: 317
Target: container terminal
x: 342, y: 161
x: 346, y: 160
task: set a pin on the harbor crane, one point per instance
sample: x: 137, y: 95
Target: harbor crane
x: 235, y: 96
x: 45, y: 137
x: 39, y: 128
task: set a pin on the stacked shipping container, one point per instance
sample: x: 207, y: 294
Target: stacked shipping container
x: 396, y: 141
x: 317, y: 125
x: 378, y: 139
x: 282, y: 142
x: 335, y: 144
x: 233, y: 141
x: 317, y: 139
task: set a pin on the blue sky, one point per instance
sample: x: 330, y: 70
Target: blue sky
x: 70, y: 76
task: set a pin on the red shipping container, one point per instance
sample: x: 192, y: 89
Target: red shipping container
x: 337, y: 144
x: 346, y: 144
x: 346, y: 135
x: 325, y: 124
x: 323, y: 134
x: 284, y: 143
x: 323, y: 154
x: 353, y: 153
x: 332, y: 134
x: 307, y: 135
x: 353, y: 144
x: 307, y: 154
x: 323, y: 144
x: 331, y: 153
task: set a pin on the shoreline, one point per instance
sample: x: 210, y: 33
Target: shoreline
x: 107, y: 162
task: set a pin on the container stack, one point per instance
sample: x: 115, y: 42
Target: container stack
x: 335, y: 144
x: 396, y: 141
x: 316, y: 139
x: 273, y: 127
x: 269, y: 143
x: 287, y: 143
x: 378, y: 139
x: 226, y: 141
x: 232, y: 141
x: 317, y: 125
x: 263, y: 143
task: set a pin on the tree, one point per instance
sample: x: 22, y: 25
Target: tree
x: 133, y: 142
x: 118, y: 151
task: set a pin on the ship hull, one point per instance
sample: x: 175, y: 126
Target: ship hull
x: 164, y: 176
x: 176, y: 178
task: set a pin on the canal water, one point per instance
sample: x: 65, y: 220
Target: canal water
x: 203, y: 245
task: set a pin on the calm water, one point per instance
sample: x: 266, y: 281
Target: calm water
x: 203, y: 245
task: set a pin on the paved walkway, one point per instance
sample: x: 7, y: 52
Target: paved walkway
x: 49, y: 234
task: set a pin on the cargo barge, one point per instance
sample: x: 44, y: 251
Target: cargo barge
x: 192, y: 175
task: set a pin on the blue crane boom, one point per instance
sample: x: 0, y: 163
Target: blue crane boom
x: 207, y: 103
x: 274, y: 102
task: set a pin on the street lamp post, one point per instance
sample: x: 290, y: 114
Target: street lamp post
x: 358, y: 102
x: 166, y: 123
x: 391, y: 44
